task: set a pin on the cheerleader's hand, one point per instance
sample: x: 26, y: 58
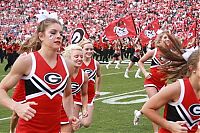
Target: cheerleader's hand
x: 147, y: 75
x: 177, y: 127
x: 75, y: 122
x: 84, y: 113
x: 25, y: 111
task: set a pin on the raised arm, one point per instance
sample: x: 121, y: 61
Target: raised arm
x: 144, y: 58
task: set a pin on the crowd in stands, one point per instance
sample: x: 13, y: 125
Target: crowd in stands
x: 19, y: 20
x: 18, y: 17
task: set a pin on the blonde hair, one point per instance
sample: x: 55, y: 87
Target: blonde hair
x: 68, y: 50
x: 84, y: 41
x: 24, y: 47
x: 28, y: 47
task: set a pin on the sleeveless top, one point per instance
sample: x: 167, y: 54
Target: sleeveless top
x: 91, y: 70
x: 186, y: 108
x: 44, y: 85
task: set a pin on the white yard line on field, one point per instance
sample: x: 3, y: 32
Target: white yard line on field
x: 108, y: 74
x: 120, y: 94
x: 5, y: 118
x: 111, y: 73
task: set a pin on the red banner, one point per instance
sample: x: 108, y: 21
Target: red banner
x: 190, y: 34
x: 123, y: 27
x: 149, y: 32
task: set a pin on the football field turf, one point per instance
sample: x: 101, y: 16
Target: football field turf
x: 113, y: 110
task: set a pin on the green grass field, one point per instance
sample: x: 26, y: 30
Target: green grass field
x: 114, y: 111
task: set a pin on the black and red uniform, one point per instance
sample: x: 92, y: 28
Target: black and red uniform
x: 185, y: 109
x: 44, y: 85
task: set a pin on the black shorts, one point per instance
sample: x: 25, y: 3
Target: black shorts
x: 116, y: 55
x: 134, y: 59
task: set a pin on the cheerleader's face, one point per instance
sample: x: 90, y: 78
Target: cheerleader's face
x: 77, y: 57
x: 88, y: 50
x: 52, y: 36
x: 166, y: 39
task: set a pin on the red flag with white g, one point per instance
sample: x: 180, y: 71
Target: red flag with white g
x: 120, y: 28
x: 149, y: 32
